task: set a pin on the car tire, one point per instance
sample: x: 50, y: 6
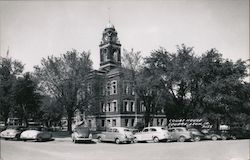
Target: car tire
x: 117, y: 141
x: 197, y: 138
x: 135, y: 140
x: 99, y: 139
x: 156, y: 139
x: 39, y: 139
x: 223, y: 137
x: 234, y: 138
x: 214, y: 138
x: 181, y: 139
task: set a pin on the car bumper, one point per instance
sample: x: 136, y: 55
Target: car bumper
x: 127, y: 140
x: 83, y: 139
x: 8, y: 136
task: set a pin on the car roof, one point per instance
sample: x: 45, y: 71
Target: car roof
x: 119, y: 128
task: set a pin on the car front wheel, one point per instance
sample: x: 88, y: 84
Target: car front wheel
x: 181, y: 139
x: 135, y: 140
x: 117, y: 141
x: 214, y: 138
x: 99, y: 139
x: 156, y: 139
x: 197, y: 138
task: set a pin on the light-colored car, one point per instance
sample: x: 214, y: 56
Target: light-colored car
x: 117, y: 135
x: 81, y: 134
x: 179, y: 134
x: 12, y: 132
x: 36, y: 133
x: 152, y: 133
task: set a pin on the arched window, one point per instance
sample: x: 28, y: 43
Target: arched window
x: 113, y: 87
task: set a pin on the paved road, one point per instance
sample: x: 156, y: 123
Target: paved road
x: 61, y: 149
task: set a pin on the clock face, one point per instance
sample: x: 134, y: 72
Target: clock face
x: 106, y: 37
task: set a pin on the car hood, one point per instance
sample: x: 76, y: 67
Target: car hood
x: 30, y: 132
x: 10, y: 131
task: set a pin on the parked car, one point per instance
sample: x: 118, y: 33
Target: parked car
x: 134, y: 131
x: 117, y: 135
x: 36, y: 133
x: 152, y: 133
x: 12, y: 132
x: 196, y: 134
x: 211, y: 135
x: 81, y: 133
x: 179, y: 134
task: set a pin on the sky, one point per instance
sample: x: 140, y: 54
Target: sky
x: 33, y: 30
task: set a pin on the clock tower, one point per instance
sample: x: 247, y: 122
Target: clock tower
x: 110, y: 48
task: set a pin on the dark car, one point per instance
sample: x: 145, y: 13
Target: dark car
x: 211, y: 135
x: 196, y: 134
x: 81, y: 133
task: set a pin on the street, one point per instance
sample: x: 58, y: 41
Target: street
x: 64, y: 149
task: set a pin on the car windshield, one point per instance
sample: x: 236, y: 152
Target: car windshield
x: 82, y: 130
x: 35, y: 128
x: 19, y: 128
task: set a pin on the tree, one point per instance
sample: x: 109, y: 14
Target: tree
x: 51, y: 111
x: 217, y: 87
x: 174, y: 72
x: 65, y: 78
x: 132, y: 62
x: 201, y: 87
x: 150, y: 93
x: 9, y: 70
x: 27, y: 99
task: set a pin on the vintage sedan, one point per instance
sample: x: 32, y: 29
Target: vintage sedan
x: 196, y: 134
x: 12, y: 132
x: 211, y: 135
x: 152, y: 133
x: 81, y: 133
x: 36, y: 133
x: 117, y: 135
x: 179, y: 134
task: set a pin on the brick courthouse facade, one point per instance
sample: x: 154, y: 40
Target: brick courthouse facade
x: 113, y: 101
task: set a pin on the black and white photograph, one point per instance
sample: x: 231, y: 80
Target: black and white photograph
x: 124, y: 80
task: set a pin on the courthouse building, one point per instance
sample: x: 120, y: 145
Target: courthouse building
x: 112, y: 89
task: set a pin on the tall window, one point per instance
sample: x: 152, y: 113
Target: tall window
x: 133, y: 122
x: 132, y: 106
x: 103, y: 107
x: 108, y: 107
x: 114, y: 87
x: 114, y: 122
x: 126, y: 106
x: 103, y: 123
x: 126, y: 123
x: 115, y: 106
x: 143, y: 108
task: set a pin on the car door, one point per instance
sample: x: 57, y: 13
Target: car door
x: 115, y: 134
x: 145, y: 135
x: 172, y: 134
x: 109, y: 134
x: 153, y: 133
